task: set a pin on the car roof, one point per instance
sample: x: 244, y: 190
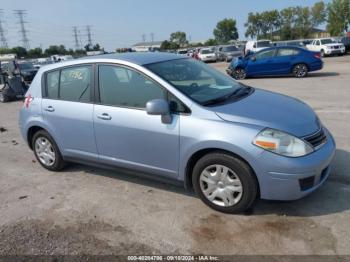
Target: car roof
x: 140, y: 58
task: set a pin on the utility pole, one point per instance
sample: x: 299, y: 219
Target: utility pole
x: 20, y: 14
x: 2, y: 32
x: 75, y: 35
x: 152, y: 37
x: 88, y: 32
x: 143, y: 38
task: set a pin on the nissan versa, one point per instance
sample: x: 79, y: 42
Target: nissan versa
x: 174, y: 117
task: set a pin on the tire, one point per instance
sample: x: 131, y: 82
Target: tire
x: 239, y: 73
x: 322, y: 53
x: 51, y: 151
x: 238, y: 176
x: 4, y: 98
x: 300, y: 70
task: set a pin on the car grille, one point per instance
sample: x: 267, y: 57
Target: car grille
x: 317, y: 139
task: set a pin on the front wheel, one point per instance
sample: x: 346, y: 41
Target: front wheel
x: 224, y: 183
x: 239, y: 73
x: 300, y: 70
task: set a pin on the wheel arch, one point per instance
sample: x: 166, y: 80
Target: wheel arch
x: 202, y: 152
x: 30, y: 133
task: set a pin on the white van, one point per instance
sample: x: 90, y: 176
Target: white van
x: 257, y: 45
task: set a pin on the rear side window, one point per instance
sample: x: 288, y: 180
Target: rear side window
x: 70, y: 84
x: 53, y: 79
x: 287, y: 52
x: 120, y: 86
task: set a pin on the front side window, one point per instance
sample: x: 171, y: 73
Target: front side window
x: 265, y: 54
x: 200, y: 82
x: 70, y: 84
x: 120, y: 86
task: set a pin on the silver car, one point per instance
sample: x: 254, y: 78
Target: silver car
x: 170, y: 116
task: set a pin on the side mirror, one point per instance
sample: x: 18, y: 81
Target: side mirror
x: 253, y: 58
x: 159, y: 107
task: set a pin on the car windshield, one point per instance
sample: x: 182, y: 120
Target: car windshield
x: 327, y: 41
x: 25, y: 66
x: 264, y: 43
x: 206, y: 51
x: 230, y: 49
x: 200, y: 82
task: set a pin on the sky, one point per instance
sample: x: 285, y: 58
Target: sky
x: 117, y: 23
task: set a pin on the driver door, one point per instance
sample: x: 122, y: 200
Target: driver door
x: 126, y: 136
x: 263, y: 63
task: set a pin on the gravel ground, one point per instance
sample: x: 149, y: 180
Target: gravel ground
x: 85, y: 210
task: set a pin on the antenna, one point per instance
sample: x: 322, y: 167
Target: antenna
x: 21, y: 14
x: 2, y: 32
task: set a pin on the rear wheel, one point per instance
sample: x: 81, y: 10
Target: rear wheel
x: 300, y: 70
x: 47, y: 152
x: 4, y: 97
x: 224, y: 183
x: 239, y: 73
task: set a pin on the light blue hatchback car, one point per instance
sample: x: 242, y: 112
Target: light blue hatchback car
x: 172, y: 117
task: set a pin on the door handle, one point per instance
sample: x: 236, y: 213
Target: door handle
x: 104, y: 116
x: 49, y: 109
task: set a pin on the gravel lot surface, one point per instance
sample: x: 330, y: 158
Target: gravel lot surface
x: 85, y: 210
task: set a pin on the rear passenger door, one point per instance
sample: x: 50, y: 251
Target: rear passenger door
x: 126, y: 135
x: 67, y: 107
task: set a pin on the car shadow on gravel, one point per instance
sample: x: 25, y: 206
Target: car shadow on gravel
x: 332, y: 197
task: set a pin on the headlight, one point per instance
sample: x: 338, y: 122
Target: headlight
x: 281, y: 143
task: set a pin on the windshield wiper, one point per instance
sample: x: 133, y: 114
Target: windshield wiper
x: 242, y: 91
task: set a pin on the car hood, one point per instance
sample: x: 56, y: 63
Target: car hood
x: 268, y: 109
x: 29, y: 71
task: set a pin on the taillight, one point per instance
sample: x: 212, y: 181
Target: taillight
x: 27, y: 100
x: 317, y: 55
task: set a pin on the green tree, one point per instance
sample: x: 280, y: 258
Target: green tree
x: 210, y: 42
x: 338, y: 17
x: 225, y: 31
x: 179, y: 38
x: 168, y: 45
x: 35, y: 52
x: 318, y: 14
x: 19, y: 51
x: 5, y: 50
x: 287, y: 23
x: 56, y: 50
x: 96, y: 47
x: 303, y: 26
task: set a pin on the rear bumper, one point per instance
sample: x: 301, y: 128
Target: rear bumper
x: 284, y: 178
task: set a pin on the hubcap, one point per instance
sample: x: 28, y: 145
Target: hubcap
x: 221, y: 185
x: 240, y: 73
x: 45, y: 151
x: 300, y: 70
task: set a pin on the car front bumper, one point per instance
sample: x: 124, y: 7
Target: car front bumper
x: 286, y: 178
x: 335, y: 51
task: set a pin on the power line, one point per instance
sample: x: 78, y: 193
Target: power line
x: 76, y: 38
x: 20, y: 14
x: 2, y: 32
x: 89, y: 36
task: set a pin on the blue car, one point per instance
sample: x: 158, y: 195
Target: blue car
x: 275, y: 61
x: 170, y: 116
